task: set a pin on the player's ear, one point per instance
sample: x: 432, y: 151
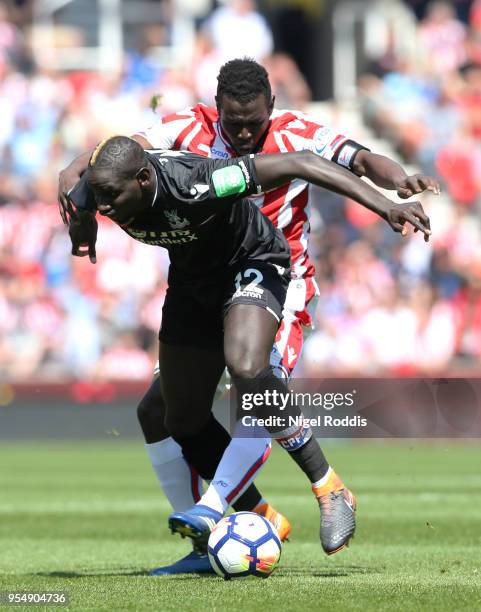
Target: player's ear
x: 271, y: 105
x: 143, y: 176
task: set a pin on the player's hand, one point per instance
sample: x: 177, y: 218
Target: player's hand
x: 409, y: 212
x: 417, y: 183
x: 67, y: 179
x: 82, y: 229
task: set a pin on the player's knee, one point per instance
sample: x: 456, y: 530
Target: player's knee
x: 151, y: 404
x: 180, y: 428
x: 151, y: 415
x: 246, y: 364
x: 143, y: 411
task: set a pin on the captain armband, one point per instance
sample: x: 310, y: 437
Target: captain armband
x: 228, y: 181
x: 347, y: 152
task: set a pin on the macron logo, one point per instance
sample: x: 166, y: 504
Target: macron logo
x: 219, y: 153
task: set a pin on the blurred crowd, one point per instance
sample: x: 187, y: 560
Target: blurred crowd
x: 403, y: 307
x: 388, y: 306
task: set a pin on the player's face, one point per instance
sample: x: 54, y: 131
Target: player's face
x: 122, y: 200
x: 244, y: 124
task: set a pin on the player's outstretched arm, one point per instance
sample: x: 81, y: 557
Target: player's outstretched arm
x: 388, y: 174
x: 275, y: 170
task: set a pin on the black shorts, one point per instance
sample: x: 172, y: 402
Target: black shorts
x: 194, y: 316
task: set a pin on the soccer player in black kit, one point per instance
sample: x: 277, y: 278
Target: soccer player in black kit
x: 221, y: 247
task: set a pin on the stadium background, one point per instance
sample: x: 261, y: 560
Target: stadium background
x: 77, y: 341
x: 377, y: 71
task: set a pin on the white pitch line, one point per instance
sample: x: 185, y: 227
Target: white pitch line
x: 85, y: 507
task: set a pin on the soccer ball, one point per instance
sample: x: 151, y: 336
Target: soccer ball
x: 244, y: 544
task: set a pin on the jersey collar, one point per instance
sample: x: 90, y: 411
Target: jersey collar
x: 225, y: 140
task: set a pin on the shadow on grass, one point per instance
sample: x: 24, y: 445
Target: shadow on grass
x: 284, y: 572
x: 92, y: 573
x: 326, y: 572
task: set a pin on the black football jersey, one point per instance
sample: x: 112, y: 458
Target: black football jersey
x: 201, y: 216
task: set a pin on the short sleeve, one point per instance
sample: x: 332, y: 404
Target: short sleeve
x: 193, y: 179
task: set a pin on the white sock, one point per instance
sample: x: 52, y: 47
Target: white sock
x: 240, y: 464
x: 179, y: 481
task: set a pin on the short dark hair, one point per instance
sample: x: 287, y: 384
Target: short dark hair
x: 243, y: 80
x: 117, y: 157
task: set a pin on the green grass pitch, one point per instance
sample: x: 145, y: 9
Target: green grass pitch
x: 88, y: 518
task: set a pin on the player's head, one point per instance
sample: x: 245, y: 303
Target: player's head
x: 244, y: 100
x: 121, y: 178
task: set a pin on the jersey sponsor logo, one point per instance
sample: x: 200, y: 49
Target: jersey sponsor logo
x: 137, y: 233
x: 219, y: 153
x: 164, y: 238
x: 174, y: 220
x: 228, y: 181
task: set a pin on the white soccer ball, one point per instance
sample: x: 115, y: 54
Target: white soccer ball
x: 244, y: 544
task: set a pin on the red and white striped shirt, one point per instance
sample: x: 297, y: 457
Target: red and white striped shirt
x: 198, y: 130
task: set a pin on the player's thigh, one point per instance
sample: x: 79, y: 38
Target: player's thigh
x: 189, y: 377
x: 249, y: 333
x: 253, y: 313
x: 191, y: 356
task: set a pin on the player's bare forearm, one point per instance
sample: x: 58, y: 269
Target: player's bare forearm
x: 68, y: 177
x: 78, y: 165
x: 388, y: 174
x: 275, y: 170
x: 381, y: 170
